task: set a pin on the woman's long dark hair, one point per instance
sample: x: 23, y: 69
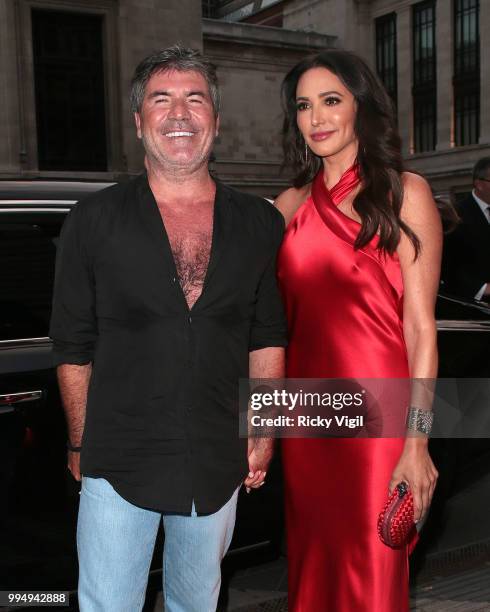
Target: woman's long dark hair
x: 379, y: 202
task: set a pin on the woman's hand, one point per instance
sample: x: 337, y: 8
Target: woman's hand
x: 416, y: 468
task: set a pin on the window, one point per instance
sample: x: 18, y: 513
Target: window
x: 270, y: 13
x: 209, y: 8
x: 425, y: 122
x: 466, y: 80
x: 263, y: 12
x: 27, y: 258
x: 424, y: 90
x: 386, y: 65
x: 69, y: 90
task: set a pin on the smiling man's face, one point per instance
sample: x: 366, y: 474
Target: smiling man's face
x: 177, y: 122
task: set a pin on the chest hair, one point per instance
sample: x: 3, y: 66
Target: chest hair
x: 190, y: 241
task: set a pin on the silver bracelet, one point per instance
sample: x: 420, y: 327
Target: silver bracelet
x: 420, y: 420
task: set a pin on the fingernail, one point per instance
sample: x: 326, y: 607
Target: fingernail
x: 247, y: 490
x: 250, y: 474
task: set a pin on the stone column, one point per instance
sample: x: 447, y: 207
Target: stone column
x: 445, y: 103
x: 484, y: 73
x: 366, y: 34
x: 10, y: 131
x: 404, y: 61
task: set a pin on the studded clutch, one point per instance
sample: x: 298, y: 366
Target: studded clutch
x: 395, y: 521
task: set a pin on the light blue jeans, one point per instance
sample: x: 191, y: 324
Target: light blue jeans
x: 115, y: 542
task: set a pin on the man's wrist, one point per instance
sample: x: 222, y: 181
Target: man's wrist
x: 72, y: 448
x: 261, y: 443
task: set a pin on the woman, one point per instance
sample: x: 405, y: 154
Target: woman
x: 359, y: 271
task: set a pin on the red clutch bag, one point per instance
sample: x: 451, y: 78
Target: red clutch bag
x: 395, y: 522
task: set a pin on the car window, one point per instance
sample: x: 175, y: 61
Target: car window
x: 27, y: 259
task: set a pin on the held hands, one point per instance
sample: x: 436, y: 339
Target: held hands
x: 260, y: 452
x: 416, y: 468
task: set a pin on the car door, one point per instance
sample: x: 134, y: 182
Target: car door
x: 464, y: 353
x: 38, y: 506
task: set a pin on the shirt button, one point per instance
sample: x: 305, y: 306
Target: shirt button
x: 190, y: 319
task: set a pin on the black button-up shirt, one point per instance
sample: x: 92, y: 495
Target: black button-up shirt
x: 162, y: 411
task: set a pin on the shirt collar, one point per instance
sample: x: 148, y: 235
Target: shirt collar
x: 482, y: 204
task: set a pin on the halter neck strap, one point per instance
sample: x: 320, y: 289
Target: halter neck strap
x: 348, y: 181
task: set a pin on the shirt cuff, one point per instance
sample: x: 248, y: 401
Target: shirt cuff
x: 480, y: 293
x: 257, y: 343
x: 66, y: 353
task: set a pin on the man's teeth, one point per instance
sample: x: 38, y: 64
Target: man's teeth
x: 178, y: 134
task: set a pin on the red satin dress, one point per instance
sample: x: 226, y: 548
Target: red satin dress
x: 344, y: 309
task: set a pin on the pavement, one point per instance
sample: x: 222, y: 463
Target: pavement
x: 453, y: 575
x: 450, y: 572
x: 467, y: 591
x: 264, y: 589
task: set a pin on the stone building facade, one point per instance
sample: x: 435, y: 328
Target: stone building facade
x: 252, y: 60
x: 128, y: 30
x: 355, y: 24
x: 40, y: 86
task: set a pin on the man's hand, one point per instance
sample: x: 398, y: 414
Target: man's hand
x: 260, y: 451
x: 264, y: 363
x: 74, y: 465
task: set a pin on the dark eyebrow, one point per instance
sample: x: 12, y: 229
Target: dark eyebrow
x: 321, y: 95
x: 197, y: 93
x: 329, y: 93
x: 157, y: 93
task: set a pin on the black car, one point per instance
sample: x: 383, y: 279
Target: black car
x: 39, y: 500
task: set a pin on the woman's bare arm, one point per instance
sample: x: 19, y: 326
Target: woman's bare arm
x: 420, y: 281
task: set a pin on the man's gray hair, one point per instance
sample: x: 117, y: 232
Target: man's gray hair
x: 177, y: 58
x: 481, y: 168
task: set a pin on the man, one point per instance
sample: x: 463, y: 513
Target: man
x: 165, y: 296
x: 466, y: 263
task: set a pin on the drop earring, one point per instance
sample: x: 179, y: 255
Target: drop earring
x: 306, y: 153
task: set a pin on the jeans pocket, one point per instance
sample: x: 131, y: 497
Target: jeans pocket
x: 96, y: 487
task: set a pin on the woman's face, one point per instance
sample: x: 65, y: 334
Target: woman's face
x: 326, y: 112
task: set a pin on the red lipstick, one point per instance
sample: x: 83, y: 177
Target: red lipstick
x: 319, y: 136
